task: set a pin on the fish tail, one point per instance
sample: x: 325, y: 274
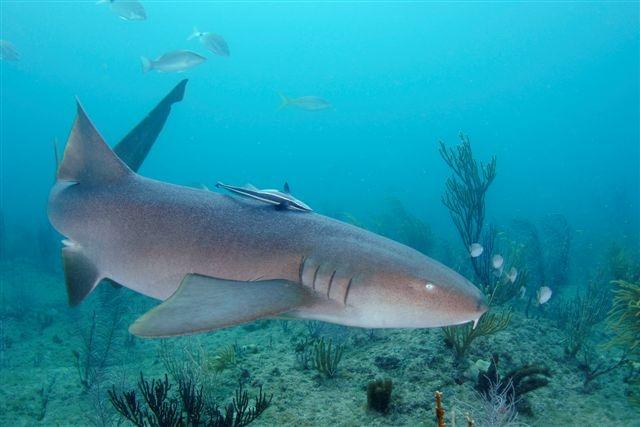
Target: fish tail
x: 194, y: 34
x: 285, y: 101
x: 147, y: 64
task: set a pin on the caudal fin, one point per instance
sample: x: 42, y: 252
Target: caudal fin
x: 87, y: 159
x: 135, y: 146
x: 285, y: 101
x: 194, y: 34
x: 147, y: 64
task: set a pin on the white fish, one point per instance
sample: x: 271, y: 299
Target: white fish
x: 212, y: 42
x: 129, y: 10
x: 475, y: 249
x: 544, y: 294
x: 497, y: 261
x: 176, y: 61
x: 307, y: 103
x: 512, y: 275
x: 8, y: 51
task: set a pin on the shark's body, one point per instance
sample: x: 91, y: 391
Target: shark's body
x: 218, y: 260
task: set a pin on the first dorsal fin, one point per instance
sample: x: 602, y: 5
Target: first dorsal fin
x: 286, y: 188
x: 87, y: 158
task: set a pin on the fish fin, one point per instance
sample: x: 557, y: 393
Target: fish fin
x: 250, y: 187
x: 147, y: 64
x: 81, y: 275
x: 286, y: 188
x: 285, y: 101
x: 134, y: 148
x: 195, y: 33
x: 204, y: 303
x: 87, y: 158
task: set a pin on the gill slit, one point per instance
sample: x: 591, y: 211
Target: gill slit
x: 315, y: 276
x: 330, y: 283
x: 301, y: 269
x: 346, y: 293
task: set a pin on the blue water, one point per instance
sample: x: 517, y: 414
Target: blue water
x: 551, y: 89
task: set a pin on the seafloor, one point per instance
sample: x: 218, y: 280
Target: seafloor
x: 42, y: 338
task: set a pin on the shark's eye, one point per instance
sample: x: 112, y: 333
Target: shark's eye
x: 430, y: 286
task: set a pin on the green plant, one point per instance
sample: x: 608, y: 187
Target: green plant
x: 379, y: 395
x: 460, y: 337
x: 327, y: 357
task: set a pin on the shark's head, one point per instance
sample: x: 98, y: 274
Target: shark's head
x: 410, y: 290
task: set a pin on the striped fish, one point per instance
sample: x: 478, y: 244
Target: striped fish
x: 281, y: 199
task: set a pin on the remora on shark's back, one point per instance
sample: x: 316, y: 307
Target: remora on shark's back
x: 280, y: 199
x: 218, y: 261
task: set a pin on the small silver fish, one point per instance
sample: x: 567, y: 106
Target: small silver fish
x: 544, y: 295
x: 211, y: 41
x: 497, y: 261
x: 129, y: 10
x: 475, y: 250
x: 281, y: 199
x: 307, y: 103
x: 512, y: 275
x: 176, y: 61
x: 8, y: 51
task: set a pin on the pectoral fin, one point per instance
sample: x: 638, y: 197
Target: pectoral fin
x: 204, y: 303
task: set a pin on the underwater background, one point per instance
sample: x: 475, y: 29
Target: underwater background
x: 548, y: 89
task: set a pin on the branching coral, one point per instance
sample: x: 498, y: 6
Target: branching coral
x: 466, y: 189
x: 578, y: 316
x: 327, y: 357
x: 190, y: 407
x: 624, y: 316
x: 460, y: 337
x: 398, y: 224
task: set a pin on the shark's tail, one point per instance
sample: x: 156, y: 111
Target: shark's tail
x: 87, y: 161
x: 285, y: 101
x: 135, y: 146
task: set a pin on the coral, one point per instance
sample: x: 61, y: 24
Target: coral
x: 379, y: 395
x: 624, y: 316
x: 400, y: 225
x: 327, y: 358
x: 517, y: 382
x: 465, y: 196
x: 96, y: 350
x: 577, y: 316
x: 460, y: 337
x: 593, y: 369
x: 495, y: 407
x: 304, y: 350
x: 190, y: 407
x: 225, y: 358
x: 45, y: 395
x: 621, y: 264
x: 439, y: 410
x: 466, y: 189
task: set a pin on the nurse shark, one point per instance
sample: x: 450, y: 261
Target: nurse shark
x: 216, y: 261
